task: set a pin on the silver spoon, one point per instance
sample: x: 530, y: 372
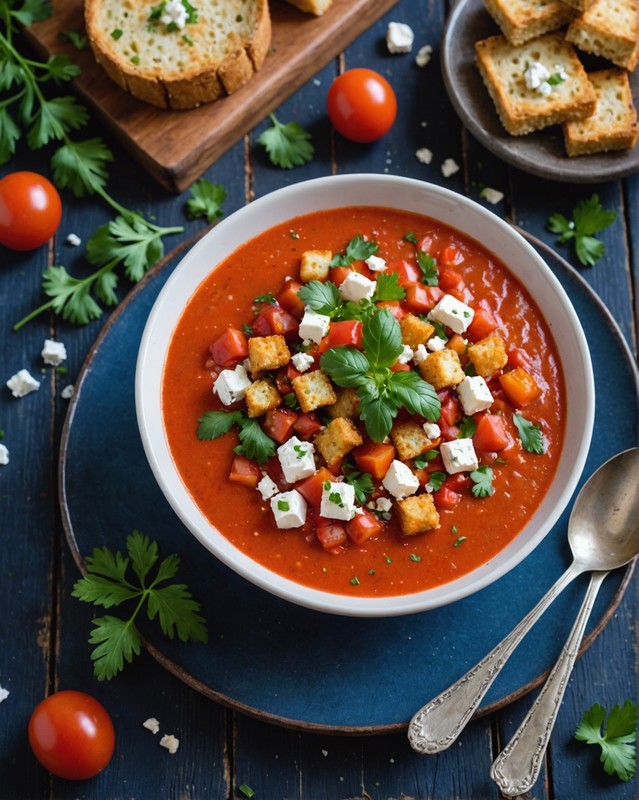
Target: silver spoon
x: 603, y: 533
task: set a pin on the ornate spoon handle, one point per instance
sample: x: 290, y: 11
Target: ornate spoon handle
x: 438, y: 724
x: 516, y: 768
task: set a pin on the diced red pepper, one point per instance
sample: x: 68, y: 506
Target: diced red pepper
x: 458, y: 482
x: 394, y: 306
x: 289, y: 299
x: 399, y: 367
x: 518, y: 358
x: 278, y: 423
x: 490, y: 434
x: 449, y: 279
x: 374, y: 458
x: 433, y: 243
x: 449, y: 432
x: 339, y: 274
x: 446, y: 498
x: 520, y: 387
x: 484, y: 323
x: 451, y: 256
x: 311, y: 488
x: 347, y: 332
x: 363, y: 526
x: 451, y: 410
x: 273, y: 320
x: 421, y: 299
x: 284, y: 378
x: 230, y: 348
x: 458, y: 344
x: 331, y: 534
x: 307, y: 426
x: 406, y: 271
x: 245, y: 471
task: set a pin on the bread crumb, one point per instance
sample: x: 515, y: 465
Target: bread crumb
x: 449, y: 167
x: 151, y: 724
x: 424, y: 155
x: 424, y: 55
x: 170, y: 742
x: 491, y: 195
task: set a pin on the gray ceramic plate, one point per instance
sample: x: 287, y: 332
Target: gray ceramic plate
x: 541, y: 153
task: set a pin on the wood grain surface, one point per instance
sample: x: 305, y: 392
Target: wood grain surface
x: 175, y: 147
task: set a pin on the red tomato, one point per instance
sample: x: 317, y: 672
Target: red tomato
x: 332, y: 535
x: 245, y: 471
x: 347, y: 332
x: 230, y: 348
x: 363, y: 526
x: 361, y: 105
x: 490, y: 434
x: 278, y: 423
x: 30, y: 210
x: 72, y: 735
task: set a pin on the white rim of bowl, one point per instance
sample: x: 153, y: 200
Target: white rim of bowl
x: 346, y: 191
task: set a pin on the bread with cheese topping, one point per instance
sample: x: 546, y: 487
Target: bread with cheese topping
x: 151, y: 51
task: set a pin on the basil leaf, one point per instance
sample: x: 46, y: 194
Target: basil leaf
x: 321, y: 297
x: 378, y: 413
x: 382, y: 339
x: 417, y: 396
x: 346, y: 366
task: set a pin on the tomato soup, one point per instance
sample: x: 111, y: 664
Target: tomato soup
x: 478, y: 511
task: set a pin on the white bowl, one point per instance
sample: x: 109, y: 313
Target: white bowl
x: 391, y: 192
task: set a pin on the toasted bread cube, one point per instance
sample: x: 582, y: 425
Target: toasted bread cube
x: 267, y: 352
x: 415, y: 331
x: 488, y: 355
x: 409, y: 439
x: 315, y: 265
x: 442, y: 368
x: 417, y: 514
x: 261, y: 396
x: 313, y: 390
x: 336, y: 440
x: 608, y: 30
x: 347, y: 404
x: 521, y: 20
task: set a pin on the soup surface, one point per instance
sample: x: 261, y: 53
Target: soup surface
x: 478, y: 510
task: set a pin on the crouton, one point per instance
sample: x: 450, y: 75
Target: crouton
x: 488, y: 355
x: 608, y: 29
x: 336, y: 440
x: 442, y: 368
x: 409, y: 439
x: 522, y: 20
x: 267, y: 352
x: 347, y: 404
x: 313, y: 390
x: 417, y: 514
x: 415, y: 331
x: 315, y: 265
x: 261, y: 396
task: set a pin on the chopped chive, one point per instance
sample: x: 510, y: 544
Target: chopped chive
x: 415, y: 557
x: 355, y: 580
x: 388, y: 560
x: 459, y: 541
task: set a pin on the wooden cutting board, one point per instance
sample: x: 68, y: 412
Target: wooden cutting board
x: 175, y: 147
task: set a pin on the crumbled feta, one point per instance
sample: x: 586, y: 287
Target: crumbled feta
x: 22, y: 383
x: 170, y: 742
x: 376, y: 264
x: 4, y: 693
x: 458, y: 456
x: 67, y: 392
x: 53, y: 353
x: 151, y: 724
x: 406, y: 355
x: 338, y: 501
x: 357, y: 287
x: 297, y: 459
x: 491, y: 195
x: 474, y: 395
x: 436, y: 343
x: 174, y: 13
x: 453, y: 313
x: 423, y: 55
x: 74, y: 240
x: 535, y: 75
x: 383, y: 504
x: 400, y: 480
x: 424, y: 155
x: 231, y: 385
x: 432, y: 430
x: 289, y: 509
x: 399, y: 37
x: 314, y: 327
x: 267, y: 487
x: 420, y: 354
x: 302, y: 361
x: 449, y: 167
x: 4, y: 454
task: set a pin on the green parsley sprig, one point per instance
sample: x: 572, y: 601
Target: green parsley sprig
x: 254, y: 443
x: 206, y: 200
x: 589, y: 217
x: 529, y: 434
x: 109, y: 583
x: 482, y: 479
x: 288, y: 145
x: 358, y: 249
x: 616, y: 740
x: 323, y: 297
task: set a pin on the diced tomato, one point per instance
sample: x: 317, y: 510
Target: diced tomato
x: 457, y: 343
x: 331, y: 534
x: 374, y: 458
x: 394, y: 306
x: 273, y: 320
x: 449, y: 279
x: 339, y: 274
x: 311, y: 488
x: 446, y: 498
x: 420, y: 298
x: 484, y: 322
x: 451, y: 256
x: 278, y: 423
x: 230, y: 348
x: 449, y: 432
x: 518, y: 358
x: 363, y: 526
x: 336, y: 468
x: 519, y: 386
x: 433, y: 243
x: 458, y: 482
x: 284, y: 378
x: 289, y: 299
x: 399, y: 367
x: 347, y: 332
x: 490, y: 434
x: 407, y: 272
x: 245, y: 471
x: 308, y: 425
x: 451, y: 410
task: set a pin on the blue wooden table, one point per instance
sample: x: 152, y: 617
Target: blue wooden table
x: 43, y: 630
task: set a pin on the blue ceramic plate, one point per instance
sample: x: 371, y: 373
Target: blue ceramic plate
x: 301, y: 668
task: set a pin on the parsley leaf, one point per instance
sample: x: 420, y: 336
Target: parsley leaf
x: 287, y: 144
x: 618, y: 753
x: 32, y: 11
x: 77, y: 39
x: 206, y: 200
x: 217, y: 423
x: 358, y: 249
x: 435, y: 481
x: 254, y: 443
x: 482, y: 477
x: 428, y: 266
x: 529, y: 435
x: 388, y: 287
x: 467, y: 428
x: 108, y: 583
x: 362, y: 483
x: 589, y: 217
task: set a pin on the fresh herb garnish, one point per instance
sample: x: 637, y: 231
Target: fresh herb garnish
x: 388, y: 287
x: 77, y: 39
x: 556, y: 78
x: 246, y: 791
x: 336, y: 499
x: 467, y: 428
x: 206, y: 200
x: 283, y: 505
x: 459, y: 541
x: 267, y: 299
x: 355, y: 580
x: 117, y: 33
x: 421, y: 461
x: 323, y: 297
x: 435, y: 481
x: 482, y: 479
x: 358, y: 249
x: 362, y: 483
x: 428, y: 266
x: 618, y: 753
x: 529, y: 435
x: 300, y: 450
x: 109, y: 583
x: 410, y: 237
x: 287, y: 144
x: 291, y: 400
x: 415, y: 557
x: 589, y: 217
x: 254, y: 443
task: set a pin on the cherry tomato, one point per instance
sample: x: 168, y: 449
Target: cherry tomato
x: 361, y: 105
x: 30, y: 210
x: 72, y: 735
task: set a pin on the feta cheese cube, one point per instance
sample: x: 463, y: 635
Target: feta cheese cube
x: 399, y: 37
x: 151, y: 724
x: 267, y: 487
x: 289, y: 509
x: 453, y: 313
x: 491, y: 195
x: 338, y: 501
x: 436, y: 343
x: 400, y: 480
x: 458, y: 456
x: 4, y: 693
x: 383, y: 504
x: 314, y: 327
x: 4, y: 454
x: 170, y: 742
x: 432, y: 430
x: 67, y: 392
x: 53, y: 353
x: 302, y: 361
x: 22, y: 383
x: 357, y: 287
x: 424, y: 155
x: 231, y: 385
x: 74, y: 240
x: 449, y: 167
x: 376, y: 264
x: 297, y: 459
x: 535, y: 75
x: 474, y: 395
x: 423, y: 55
x: 420, y: 354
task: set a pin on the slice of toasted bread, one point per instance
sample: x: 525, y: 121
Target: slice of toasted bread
x: 522, y: 20
x: 608, y: 28
x: 211, y: 56
x: 522, y: 109
x: 317, y: 7
x: 613, y: 125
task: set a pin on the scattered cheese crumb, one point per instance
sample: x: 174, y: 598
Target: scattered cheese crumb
x: 53, y: 353
x: 74, y: 240
x: 151, y: 724
x: 170, y: 742
x: 22, y: 383
x: 399, y: 37
x: 67, y: 392
x: 423, y: 55
x: 4, y: 693
x: 424, y: 155
x: 4, y: 456
x: 324, y: 753
x: 491, y: 195
x: 449, y: 167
